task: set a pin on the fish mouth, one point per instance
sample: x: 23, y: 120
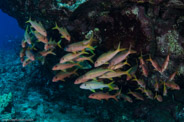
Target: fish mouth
x: 76, y: 82
x: 81, y: 86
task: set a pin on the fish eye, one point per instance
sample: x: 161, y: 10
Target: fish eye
x: 56, y: 66
x: 56, y: 77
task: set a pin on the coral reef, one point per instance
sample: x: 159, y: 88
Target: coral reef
x: 71, y: 5
x: 5, y: 100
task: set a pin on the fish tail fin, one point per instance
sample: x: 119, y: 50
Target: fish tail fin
x: 129, y: 91
x: 119, y: 47
x: 42, y: 60
x: 128, y: 72
x: 56, y: 27
x: 140, y: 88
x: 126, y: 63
x: 33, y: 47
x: 75, y: 72
x: 130, y: 50
x: 90, y: 47
x: 59, y: 43
x: 52, y: 52
x: 29, y: 20
x: 90, y: 59
x: 149, y: 59
x: 91, y: 39
x: 140, y: 57
x: 110, y: 85
x: 135, y: 79
x: 27, y: 28
x: 84, y: 52
x: 78, y: 64
x: 156, y: 95
x: 115, y: 96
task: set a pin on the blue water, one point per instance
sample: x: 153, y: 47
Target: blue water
x: 10, y: 32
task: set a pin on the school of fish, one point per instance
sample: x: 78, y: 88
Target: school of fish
x: 105, y: 69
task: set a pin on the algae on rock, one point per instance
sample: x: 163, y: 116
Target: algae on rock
x: 5, y: 101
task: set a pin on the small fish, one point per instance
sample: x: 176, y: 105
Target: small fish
x: 172, y: 85
x: 131, y: 72
x: 40, y: 37
x: 45, y: 53
x: 38, y: 27
x: 121, y: 56
x: 27, y: 36
x: 22, y: 52
x: 81, y: 79
x: 165, y: 64
x: 115, y: 74
x: 171, y: 77
x: 23, y: 43
x: 136, y: 95
x: 155, y: 64
x: 120, y: 65
x: 52, y: 45
x: 93, y: 85
x: 164, y: 90
x: 156, y: 86
x: 149, y: 93
x: 30, y: 55
x: 94, y: 73
x: 158, y: 97
x: 65, y: 66
x: 83, y: 58
x: 78, y: 46
x: 71, y: 56
x: 62, y: 75
x: 143, y: 66
x: 26, y: 62
x: 63, y: 32
x: 104, y: 58
x: 140, y: 82
x: 22, y: 59
x: 101, y: 96
x: 127, y: 98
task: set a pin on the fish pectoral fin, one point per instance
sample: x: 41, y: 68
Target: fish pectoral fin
x: 64, y: 70
x: 63, y: 80
x: 92, y: 52
x: 94, y: 79
x: 106, y: 63
x: 92, y: 90
x: 62, y: 37
x: 71, y: 61
x: 110, y: 78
